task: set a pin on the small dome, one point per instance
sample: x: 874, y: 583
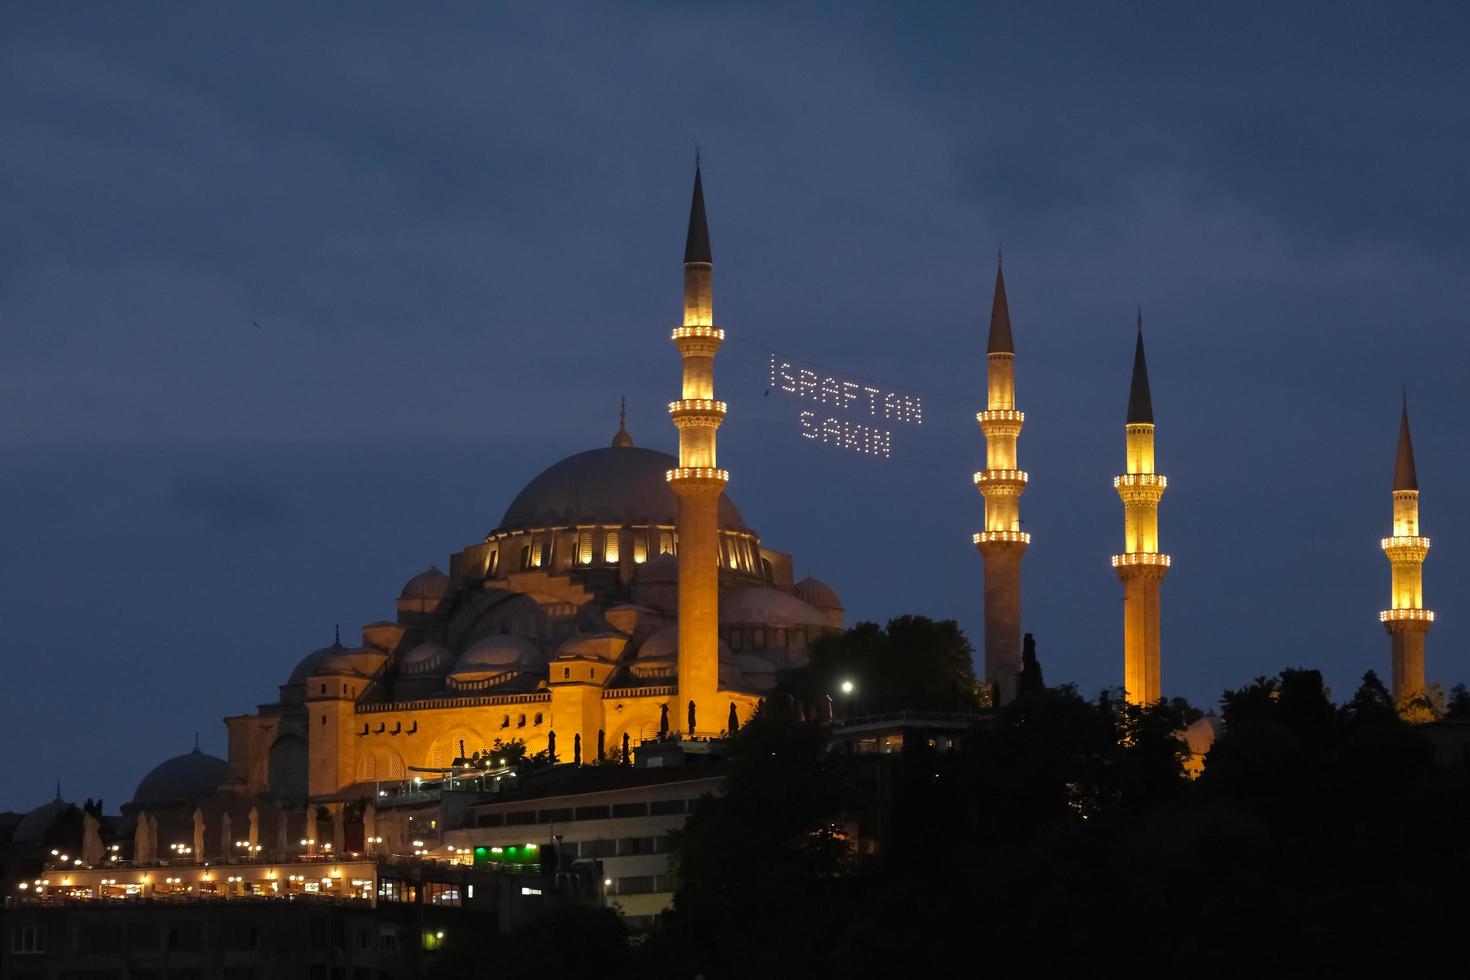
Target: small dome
x: 312, y: 663
x: 605, y: 645
x: 817, y: 594
x: 36, y: 825
x: 426, y: 658
x: 359, y: 660
x: 183, y: 779
x: 766, y: 606
x: 498, y: 653
x: 428, y: 584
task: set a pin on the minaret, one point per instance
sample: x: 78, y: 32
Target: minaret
x: 697, y: 482
x: 1408, y: 620
x: 1141, y: 566
x: 1002, y: 543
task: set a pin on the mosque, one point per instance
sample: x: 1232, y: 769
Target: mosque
x: 621, y: 597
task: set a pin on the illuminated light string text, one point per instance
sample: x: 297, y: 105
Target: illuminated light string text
x: 844, y: 394
x: 866, y: 439
x: 858, y: 416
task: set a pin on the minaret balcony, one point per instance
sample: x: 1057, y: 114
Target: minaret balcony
x: 1002, y: 422
x: 697, y: 413
x: 1425, y: 616
x: 697, y: 479
x: 1004, y: 482
x: 698, y: 340
x: 1405, y: 549
x: 1140, y: 488
x: 1002, y: 537
x: 1141, y: 558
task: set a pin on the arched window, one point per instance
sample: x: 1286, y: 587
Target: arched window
x: 492, y: 561
x: 610, y: 548
x: 525, y: 557
x: 538, y: 718
x: 758, y: 638
x: 584, y: 548
x: 780, y: 639
x: 735, y: 639
x: 640, y: 547
x: 666, y: 542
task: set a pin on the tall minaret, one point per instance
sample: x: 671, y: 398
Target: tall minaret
x: 698, y: 483
x: 1408, y: 620
x: 1002, y: 543
x: 1141, y: 566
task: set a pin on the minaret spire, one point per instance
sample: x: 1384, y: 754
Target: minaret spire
x: 1141, y: 566
x: 1002, y: 543
x: 697, y: 481
x: 696, y: 245
x: 1140, y: 402
x: 1405, y: 476
x: 1000, y: 316
x: 1407, y: 622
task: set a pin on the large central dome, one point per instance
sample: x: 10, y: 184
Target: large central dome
x: 618, y: 485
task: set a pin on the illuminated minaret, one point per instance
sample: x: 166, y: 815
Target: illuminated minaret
x: 698, y: 483
x: 1002, y: 543
x: 1408, y: 620
x: 1141, y: 566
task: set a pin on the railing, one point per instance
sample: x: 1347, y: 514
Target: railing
x: 422, y: 704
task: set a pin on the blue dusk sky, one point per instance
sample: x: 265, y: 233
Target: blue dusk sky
x: 295, y: 298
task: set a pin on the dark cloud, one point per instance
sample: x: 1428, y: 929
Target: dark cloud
x: 460, y: 234
x: 224, y: 504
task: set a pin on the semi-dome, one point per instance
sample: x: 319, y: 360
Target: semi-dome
x: 426, y: 658
x: 664, y: 645
x: 428, y: 584
x: 183, y: 779
x: 763, y: 605
x: 817, y: 594
x: 617, y: 485
x: 500, y: 652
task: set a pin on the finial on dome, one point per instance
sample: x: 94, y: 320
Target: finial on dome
x: 622, y: 440
x: 336, y: 634
x: 58, y: 791
x: 196, y: 741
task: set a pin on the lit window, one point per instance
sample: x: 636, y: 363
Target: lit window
x: 610, y: 548
x: 640, y: 547
x: 666, y: 542
x: 492, y: 561
x: 536, y: 554
x: 584, y: 548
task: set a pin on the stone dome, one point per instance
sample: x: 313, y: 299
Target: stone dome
x: 664, y: 645
x: 426, y: 658
x: 499, y: 653
x: 313, y: 661
x: 359, y: 660
x: 428, y: 584
x: 817, y: 594
x: 34, y: 826
x: 183, y: 779
x: 763, y: 605
x: 617, y: 485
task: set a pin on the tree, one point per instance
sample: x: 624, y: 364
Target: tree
x: 914, y: 663
x: 1030, y: 680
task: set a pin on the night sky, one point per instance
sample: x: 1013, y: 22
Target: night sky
x: 460, y: 235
